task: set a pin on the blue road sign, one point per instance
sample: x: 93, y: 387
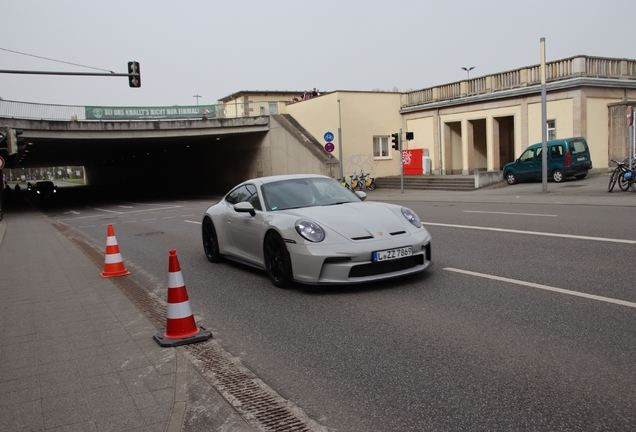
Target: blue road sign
x: 328, y: 136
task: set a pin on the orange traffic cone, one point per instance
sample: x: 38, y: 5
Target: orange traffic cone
x: 180, y: 327
x: 113, y: 266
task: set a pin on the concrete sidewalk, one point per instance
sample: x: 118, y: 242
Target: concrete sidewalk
x: 75, y: 353
x: 589, y: 191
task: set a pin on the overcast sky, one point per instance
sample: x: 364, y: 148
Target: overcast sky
x: 216, y: 48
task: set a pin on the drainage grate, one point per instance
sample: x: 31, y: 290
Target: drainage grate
x: 259, y: 405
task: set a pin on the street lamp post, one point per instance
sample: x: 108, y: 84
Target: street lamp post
x: 197, y: 96
x: 468, y: 71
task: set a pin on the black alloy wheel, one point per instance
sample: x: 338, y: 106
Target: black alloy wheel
x: 210, y: 241
x: 277, y: 260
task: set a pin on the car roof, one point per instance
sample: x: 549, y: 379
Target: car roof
x: 275, y: 178
x: 557, y: 141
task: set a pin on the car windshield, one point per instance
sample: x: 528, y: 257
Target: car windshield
x: 45, y: 186
x: 305, y: 192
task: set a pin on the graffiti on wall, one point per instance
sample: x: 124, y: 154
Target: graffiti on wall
x: 359, y: 163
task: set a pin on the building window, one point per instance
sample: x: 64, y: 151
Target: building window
x: 551, y: 130
x: 381, y: 147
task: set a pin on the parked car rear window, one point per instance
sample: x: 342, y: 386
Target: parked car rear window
x: 577, y: 147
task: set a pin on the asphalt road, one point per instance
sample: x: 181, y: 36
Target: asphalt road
x: 525, y: 322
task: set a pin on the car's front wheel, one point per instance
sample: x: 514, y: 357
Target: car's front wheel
x: 277, y: 260
x: 511, y: 178
x: 210, y: 241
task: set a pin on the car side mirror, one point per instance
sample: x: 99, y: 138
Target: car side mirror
x: 361, y: 195
x: 518, y: 160
x: 245, y: 207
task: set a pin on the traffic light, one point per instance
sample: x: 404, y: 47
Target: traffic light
x: 396, y: 141
x: 15, y: 140
x: 134, y: 77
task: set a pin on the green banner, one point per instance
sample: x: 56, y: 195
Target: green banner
x: 149, y: 113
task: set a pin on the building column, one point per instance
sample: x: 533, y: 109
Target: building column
x: 468, y: 147
x: 492, y: 144
x: 579, y: 105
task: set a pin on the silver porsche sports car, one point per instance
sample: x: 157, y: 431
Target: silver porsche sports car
x: 310, y: 229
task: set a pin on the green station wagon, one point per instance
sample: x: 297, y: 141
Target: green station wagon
x: 566, y: 157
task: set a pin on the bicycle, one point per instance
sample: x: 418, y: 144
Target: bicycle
x: 366, y: 181
x: 355, y: 183
x: 344, y: 183
x: 618, y: 171
x: 627, y: 180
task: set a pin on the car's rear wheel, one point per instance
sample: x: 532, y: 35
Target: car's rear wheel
x: 210, y: 241
x: 557, y: 176
x: 277, y: 260
x: 511, y: 178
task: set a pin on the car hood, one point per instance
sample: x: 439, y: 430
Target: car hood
x: 356, y: 220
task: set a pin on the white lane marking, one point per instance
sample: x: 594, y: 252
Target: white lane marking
x: 129, y: 221
x: 188, y: 221
x: 169, y: 217
x: 144, y: 220
x: 86, y: 226
x: 507, y: 213
x: 108, y: 211
x: 188, y: 215
x: 534, y: 233
x: 544, y: 287
x: 128, y: 207
x: 122, y: 213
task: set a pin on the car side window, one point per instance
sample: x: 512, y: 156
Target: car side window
x: 527, y: 155
x: 556, y: 152
x: 539, y: 153
x: 245, y: 193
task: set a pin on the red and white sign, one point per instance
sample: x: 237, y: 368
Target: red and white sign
x: 1, y: 163
x: 629, y: 115
x: 329, y: 147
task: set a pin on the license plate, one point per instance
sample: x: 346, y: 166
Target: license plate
x: 391, y: 254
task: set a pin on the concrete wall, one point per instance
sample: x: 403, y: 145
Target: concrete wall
x: 561, y: 111
x: 362, y: 116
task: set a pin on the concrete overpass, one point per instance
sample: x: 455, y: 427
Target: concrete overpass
x: 204, y: 153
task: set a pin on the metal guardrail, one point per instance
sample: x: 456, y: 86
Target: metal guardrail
x: 581, y: 66
x: 27, y: 110
x: 36, y: 111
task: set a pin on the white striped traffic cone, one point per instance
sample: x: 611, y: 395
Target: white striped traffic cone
x: 180, y: 326
x: 114, y: 266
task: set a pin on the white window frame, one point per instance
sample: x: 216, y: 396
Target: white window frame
x: 551, y: 129
x: 383, y: 143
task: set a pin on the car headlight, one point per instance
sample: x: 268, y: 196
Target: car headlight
x: 310, y: 230
x: 411, y: 217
